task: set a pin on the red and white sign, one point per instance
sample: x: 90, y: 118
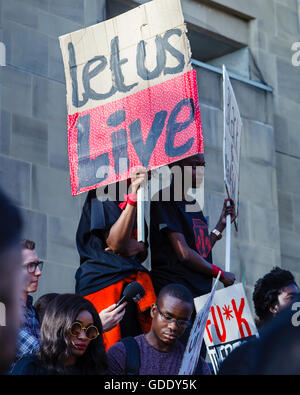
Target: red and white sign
x: 229, y: 324
x: 131, y: 95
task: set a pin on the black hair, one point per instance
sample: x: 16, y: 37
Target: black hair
x: 178, y: 291
x: 55, y: 344
x: 41, y: 304
x: 267, y: 289
x: 10, y: 223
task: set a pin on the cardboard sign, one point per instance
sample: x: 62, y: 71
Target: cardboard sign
x: 232, y: 140
x: 229, y: 324
x: 132, y: 95
x: 193, y: 348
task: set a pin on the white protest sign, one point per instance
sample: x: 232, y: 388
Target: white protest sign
x: 193, y: 348
x: 232, y: 140
x: 230, y: 322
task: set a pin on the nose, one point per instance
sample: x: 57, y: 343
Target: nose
x: 37, y: 271
x: 173, y: 325
x: 82, y: 335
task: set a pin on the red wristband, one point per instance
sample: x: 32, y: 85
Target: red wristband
x: 215, y: 272
x: 129, y: 199
x: 132, y: 199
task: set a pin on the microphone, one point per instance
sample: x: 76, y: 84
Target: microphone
x: 132, y: 292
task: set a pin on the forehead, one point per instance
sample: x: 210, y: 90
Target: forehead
x: 290, y: 289
x: 176, y: 307
x: 29, y: 256
x: 85, y: 317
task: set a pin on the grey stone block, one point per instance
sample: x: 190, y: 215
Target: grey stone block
x: 287, y: 21
x: 29, y: 139
x: 35, y: 228
x: 51, y: 193
x: 39, y: 4
x: 212, y: 126
x: 56, y: 278
x: 258, y: 184
x: 49, y: 100
x: 290, y: 245
x: 94, y: 11
x: 29, y: 48
x: 296, y: 212
x: 5, y: 131
x: 258, y: 143
x: 264, y: 224
x: 288, y: 170
x: 285, y: 210
x: 55, y: 63
x: 15, y: 180
x: 16, y: 91
x: 61, y: 241
x: 214, y: 177
x: 209, y: 87
x: 54, y: 25
x: 243, y: 224
x: 291, y: 264
x: 288, y: 87
x: 258, y: 261
x: 252, y: 101
x: 20, y: 12
x: 58, y: 146
x: 281, y: 133
x: 70, y: 9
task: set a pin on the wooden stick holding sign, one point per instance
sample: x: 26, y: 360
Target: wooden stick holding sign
x: 141, y: 214
x: 228, y: 240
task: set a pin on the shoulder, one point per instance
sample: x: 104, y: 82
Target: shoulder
x: 116, y: 356
x: 28, y: 365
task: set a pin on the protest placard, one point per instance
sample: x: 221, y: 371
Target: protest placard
x: 193, y: 348
x: 229, y: 324
x: 132, y: 95
x: 232, y: 140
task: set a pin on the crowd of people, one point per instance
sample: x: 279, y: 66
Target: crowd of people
x: 89, y: 332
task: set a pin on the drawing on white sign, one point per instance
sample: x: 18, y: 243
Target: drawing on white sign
x: 232, y: 140
x: 230, y: 322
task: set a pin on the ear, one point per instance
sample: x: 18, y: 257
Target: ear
x: 153, y: 309
x: 274, y: 309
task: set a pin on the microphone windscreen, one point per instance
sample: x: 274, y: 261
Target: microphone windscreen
x: 134, y: 291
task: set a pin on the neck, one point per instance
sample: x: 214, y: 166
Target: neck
x: 155, y: 342
x: 70, y: 361
x: 25, y: 294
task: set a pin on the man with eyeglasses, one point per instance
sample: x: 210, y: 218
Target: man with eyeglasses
x: 159, y: 352
x: 28, y: 338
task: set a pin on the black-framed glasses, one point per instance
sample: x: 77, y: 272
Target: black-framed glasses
x: 179, y: 323
x: 31, y: 266
x: 91, y: 331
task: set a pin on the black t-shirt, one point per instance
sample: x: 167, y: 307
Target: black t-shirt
x: 166, y: 267
x: 99, y: 268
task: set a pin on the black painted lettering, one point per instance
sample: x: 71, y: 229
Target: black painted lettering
x: 141, y: 57
x: 115, y: 66
x: 88, y: 169
x: 144, y: 151
x: 73, y: 72
x: 174, y: 52
x: 174, y: 127
x: 119, y: 142
x: 88, y: 74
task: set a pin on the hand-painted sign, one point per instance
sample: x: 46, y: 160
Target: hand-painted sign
x: 193, y: 348
x: 229, y: 324
x: 131, y: 95
x: 232, y: 140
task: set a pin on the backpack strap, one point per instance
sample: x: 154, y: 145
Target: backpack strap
x: 132, y: 356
